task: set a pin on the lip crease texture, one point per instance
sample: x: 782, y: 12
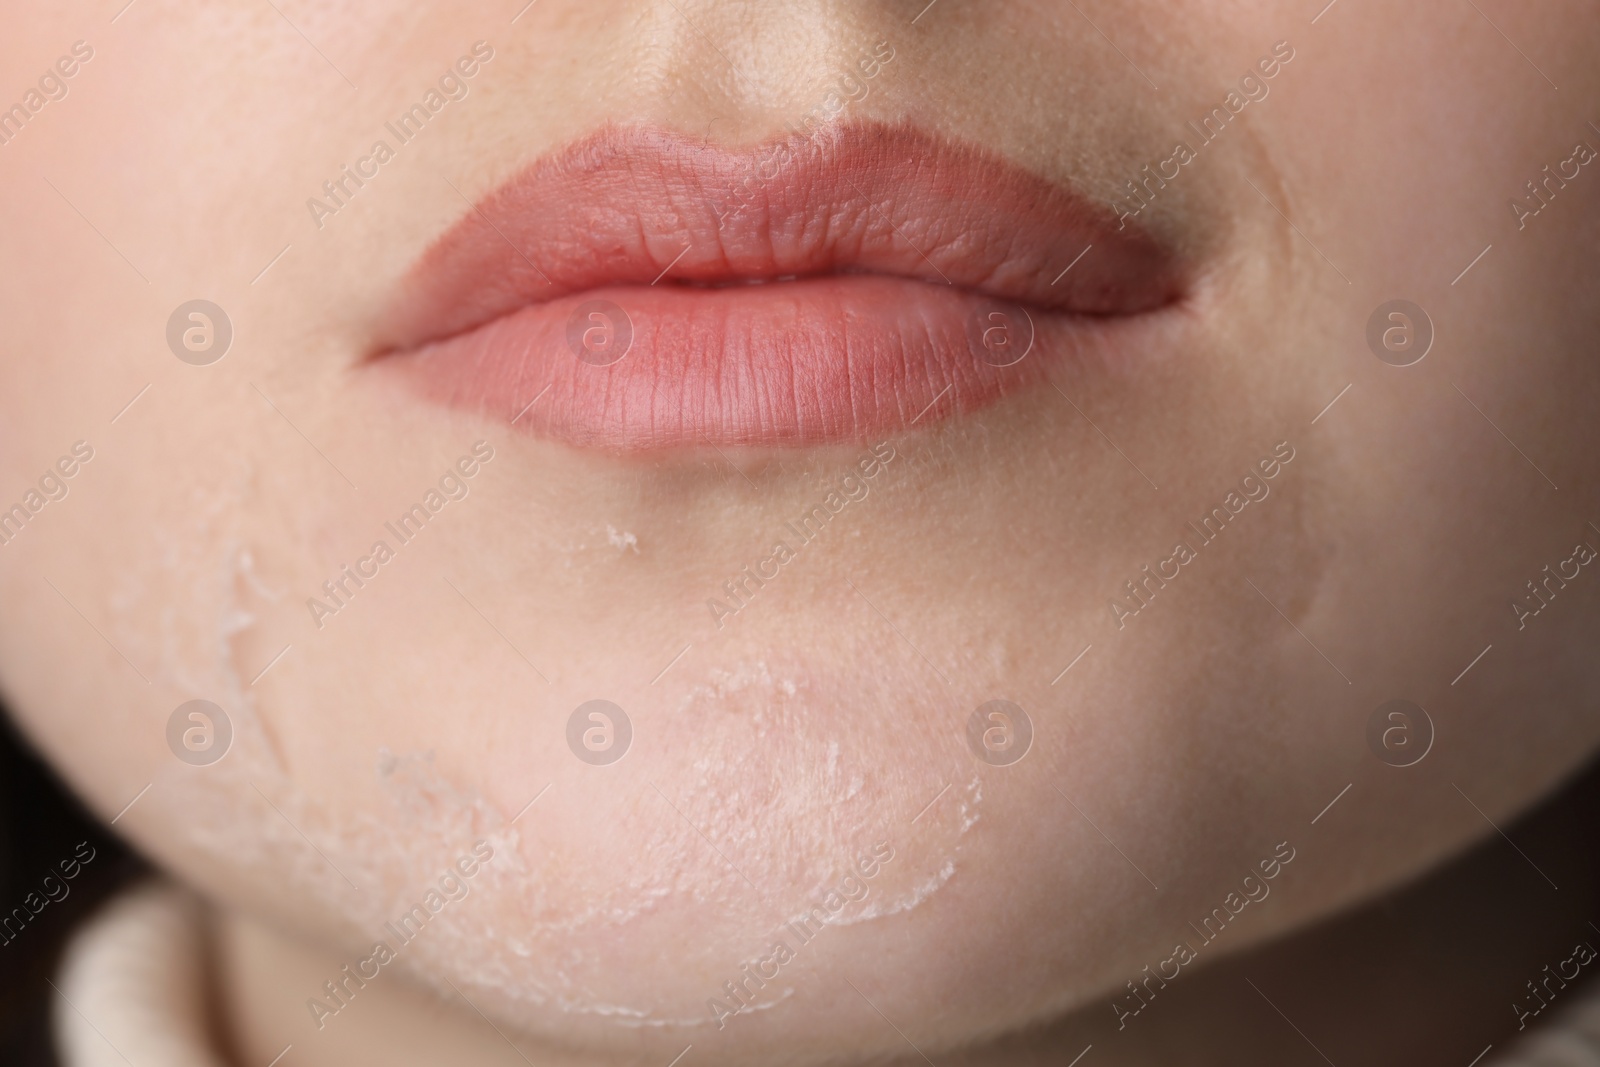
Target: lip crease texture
x: 803, y: 291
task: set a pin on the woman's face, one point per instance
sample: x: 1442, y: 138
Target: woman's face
x: 1076, y: 382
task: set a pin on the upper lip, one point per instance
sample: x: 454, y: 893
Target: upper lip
x: 640, y: 206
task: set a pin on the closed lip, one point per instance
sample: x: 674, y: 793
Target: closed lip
x: 643, y: 290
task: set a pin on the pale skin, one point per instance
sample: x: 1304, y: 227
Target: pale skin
x: 1188, y: 742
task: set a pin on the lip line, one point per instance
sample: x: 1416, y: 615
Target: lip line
x: 736, y: 286
x: 739, y: 282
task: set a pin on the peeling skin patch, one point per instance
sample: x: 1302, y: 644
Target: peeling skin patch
x: 969, y: 806
x: 635, y: 1019
x: 247, y: 814
x: 756, y: 679
x: 966, y: 817
x: 905, y: 902
x: 225, y: 596
x: 426, y: 820
x: 778, y: 777
x: 621, y: 540
x: 788, y: 790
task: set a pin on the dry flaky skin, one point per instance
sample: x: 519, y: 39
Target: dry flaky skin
x: 824, y: 719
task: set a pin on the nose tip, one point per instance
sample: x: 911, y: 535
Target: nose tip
x: 740, y: 70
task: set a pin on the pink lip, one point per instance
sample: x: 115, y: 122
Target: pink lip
x: 803, y: 291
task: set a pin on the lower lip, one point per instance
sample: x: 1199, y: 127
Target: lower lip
x: 796, y: 363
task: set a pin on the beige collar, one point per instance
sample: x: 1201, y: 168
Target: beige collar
x: 132, y: 985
